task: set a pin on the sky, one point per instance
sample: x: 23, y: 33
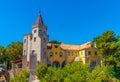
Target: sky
x: 68, y: 21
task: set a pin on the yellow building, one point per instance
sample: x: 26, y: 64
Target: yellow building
x: 61, y: 54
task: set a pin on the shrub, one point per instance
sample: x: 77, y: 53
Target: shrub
x: 21, y: 77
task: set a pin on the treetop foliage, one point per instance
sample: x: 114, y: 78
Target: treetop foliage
x: 107, y: 43
x: 54, y: 42
x: 14, y: 51
x: 22, y: 76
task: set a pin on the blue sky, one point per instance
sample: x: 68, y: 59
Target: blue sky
x: 68, y: 21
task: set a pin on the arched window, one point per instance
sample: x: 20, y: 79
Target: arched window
x: 51, y: 54
x: 34, y: 39
x: 35, y: 31
x: 56, y: 45
x: 33, y: 51
x: 60, y: 54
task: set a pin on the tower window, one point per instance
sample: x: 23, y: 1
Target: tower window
x: 24, y: 40
x: 44, y: 32
x: 44, y: 40
x: 33, y: 51
x: 40, y: 31
x: 34, y: 39
x: 34, y: 31
x: 30, y: 38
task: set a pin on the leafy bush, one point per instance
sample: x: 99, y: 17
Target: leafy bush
x: 75, y: 72
x: 21, y: 77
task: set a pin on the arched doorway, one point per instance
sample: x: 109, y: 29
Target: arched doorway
x: 92, y: 65
x: 56, y: 64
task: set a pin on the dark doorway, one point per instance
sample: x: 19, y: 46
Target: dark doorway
x: 56, y: 64
x: 63, y: 64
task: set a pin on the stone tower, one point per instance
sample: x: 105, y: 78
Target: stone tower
x: 35, y: 45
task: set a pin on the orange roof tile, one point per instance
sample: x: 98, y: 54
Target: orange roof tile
x: 73, y: 47
x: 69, y: 47
x: 86, y: 45
x: 49, y: 45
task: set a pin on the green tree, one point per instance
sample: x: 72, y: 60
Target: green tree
x: 117, y: 60
x: 22, y: 76
x: 41, y: 71
x: 14, y: 51
x: 100, y: 74
x: 74, y: 72
x: 2, y: 55
x: 54, y: 42
x: 108, y: 45
x: 4, y: 59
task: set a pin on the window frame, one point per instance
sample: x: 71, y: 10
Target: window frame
x: 19, y: 65
x: 51, y: 54
x: 95, y: 53
x: 89, y: 52
x: 60, y: 54
x: 35, y: 31
x: 35, y: 39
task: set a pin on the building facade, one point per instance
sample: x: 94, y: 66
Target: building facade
x: 36, y: 49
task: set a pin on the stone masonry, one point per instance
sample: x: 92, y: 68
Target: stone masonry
x: 35, y: 47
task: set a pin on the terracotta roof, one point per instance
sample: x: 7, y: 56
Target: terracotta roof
x: 86, y: 45
x: 17, y: 61
x: 73, y: 47
x: 49, y: 45
x: 69, y: 47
